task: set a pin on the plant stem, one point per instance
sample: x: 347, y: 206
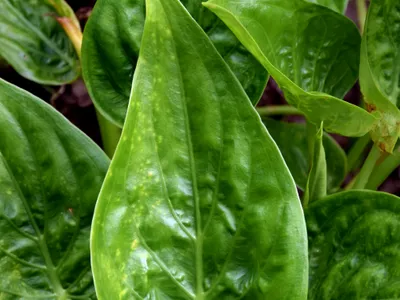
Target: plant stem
x: 362, y: 13
x: 110, y: 134
x: 382, y: 172
x: 356, y: 152
x: 276, y: 110
x: 369, y: 165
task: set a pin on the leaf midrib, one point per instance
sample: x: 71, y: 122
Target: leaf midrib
x: 199, y: 232
x: 41, y: 242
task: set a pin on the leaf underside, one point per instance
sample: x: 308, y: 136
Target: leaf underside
x: 354, y: 246
x: 50, y: 176
x: 111, y: 47
x: 197, y: 201
x: 311, y: 51
x: 35, y: 44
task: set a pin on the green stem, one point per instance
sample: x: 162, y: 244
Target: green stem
x: 276, y: 110
x: 356, y: 152
x: 369, y: 165
x: 382, y: 172
x: 362, y: 13
x: 110, y: 134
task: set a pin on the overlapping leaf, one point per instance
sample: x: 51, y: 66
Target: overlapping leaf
x: 292, y: 142
x: 336, y: 5
x: 380, y: 69
x: 311, y: 51
x: 35, y: 44
x: 354, y: 246
x: 50, y: 176
x: 198, y: 203
x: 111, y: 47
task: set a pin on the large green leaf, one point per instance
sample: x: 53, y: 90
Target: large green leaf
x: 292, y: 142
x: 336, y: 5
x: 354, y: 246
x: 380, y: 69
x: 111, y: 47
x: 35, y: 44
x: 50, y: 176
x: 311, y: 51
x: 198, y: 203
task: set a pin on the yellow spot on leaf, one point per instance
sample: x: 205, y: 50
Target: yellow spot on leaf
x: 134, y: 244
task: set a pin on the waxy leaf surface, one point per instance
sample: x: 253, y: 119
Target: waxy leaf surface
x: 380, y: 69
x: 354, y: 246
x: 35, y: 44
x: 336, y: 5
x: 50, y: 177
x: 317, y: 178
x: 198, y: 203
x: 291, y: 139
x: 311, y: 51
x: 111, y: 47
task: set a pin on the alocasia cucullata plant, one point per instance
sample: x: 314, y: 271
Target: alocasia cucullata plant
x: 199, y: 202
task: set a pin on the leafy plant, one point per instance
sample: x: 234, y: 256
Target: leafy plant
x: 200, y: 199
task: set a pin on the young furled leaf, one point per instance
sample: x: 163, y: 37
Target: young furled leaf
x: 291, y: 139
x: 111, y: 47
x: 380, y: 70
x: 35, y: 44
x: 354, y: 242
x: 311, y: 52
x: 198, y: 202
x: 50, y: 176
x: 317, y: 178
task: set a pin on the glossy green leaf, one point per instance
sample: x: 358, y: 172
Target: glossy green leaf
x: 198, y: 203
x: 50, y: 176
x: 336, y: 5
x: 291, y: 139
x: 380, y: 69
x: 111, y: 47
x: 317, y: 178
x: 35, y: 44
x: 311, y: 51
x: 354, y: 246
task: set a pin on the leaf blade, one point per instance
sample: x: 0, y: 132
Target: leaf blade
x: 35, y: 44
x: 306, y: 85
x: 48, y: 191
x: 350, y: 248
x: 379, y: 72
x: 173, y: 189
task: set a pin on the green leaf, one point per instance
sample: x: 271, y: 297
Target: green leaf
x: 291, y: 139
x: 111, y: 47
x: 311, y: 51
x: 50, y: 177
x: 198, y: 203
x: 317, y: 178
x: 380, y: 70
x: 35, y: 44
x: 339, y: 6
x: 354, y: 242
